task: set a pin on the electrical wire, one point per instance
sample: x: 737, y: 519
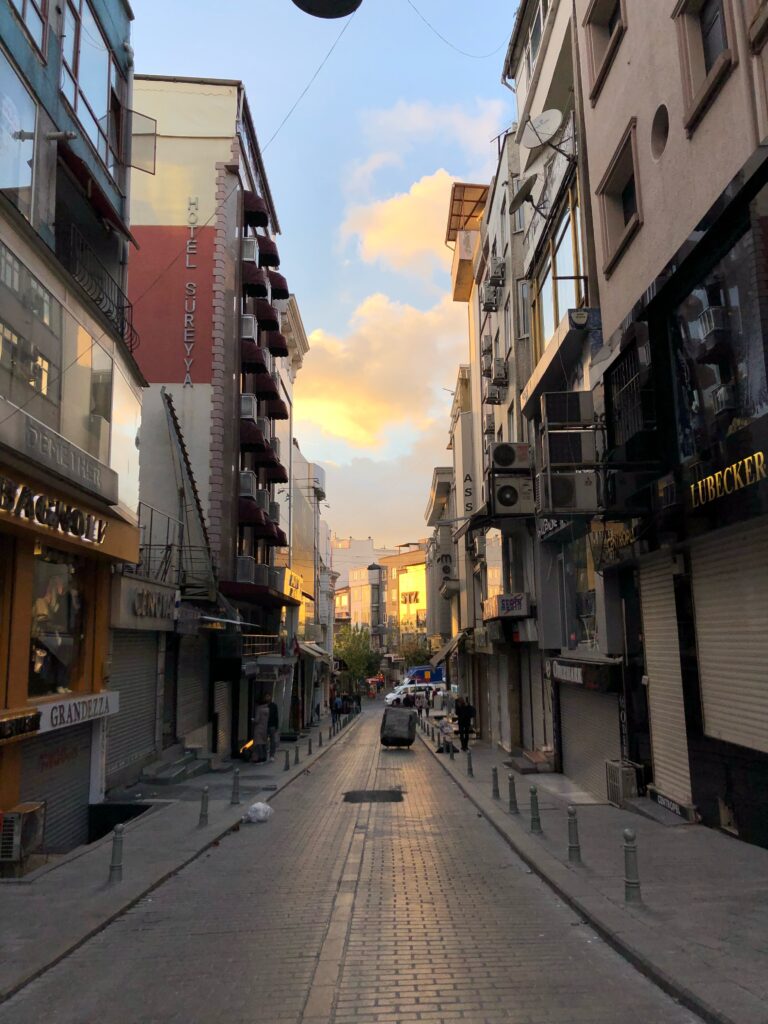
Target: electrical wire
x: 431, y: 27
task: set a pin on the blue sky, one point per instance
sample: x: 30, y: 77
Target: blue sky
x: 360, y: 174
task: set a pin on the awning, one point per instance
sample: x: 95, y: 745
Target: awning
x: 95, y: 194
x: 268, y: 254
x: 252, y: 358
x: 249, y: 513
x: 279, y: 285
x: 255, y: 280
x: 264, y: 386
x: 447, y: 649
x: 276, y: 343
x: 277, y: 409
x: 313, y: 650
x: 251, y: 438
x: 466, y: 208
x: 255, y: 212
x: 267, y: 316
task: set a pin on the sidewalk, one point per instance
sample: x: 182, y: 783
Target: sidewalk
x: 50, y: 912
x: 701, y: 930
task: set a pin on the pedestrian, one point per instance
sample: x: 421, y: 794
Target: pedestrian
x: 465, y: 713
x: 420, y: 701
x: 336, y: 709
x: 446, y: 732
x: 273, y: 725
x: 409, y: 701
x: 260, y: 732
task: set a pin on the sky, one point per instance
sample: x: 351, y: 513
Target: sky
x: 361, y: 174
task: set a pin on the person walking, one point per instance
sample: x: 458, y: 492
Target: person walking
x: 420, y: 701
x: 465, y: 714
x: 260, y: 732
x: 446, y: 734
x: 273, y: 725
x: 336, y: 709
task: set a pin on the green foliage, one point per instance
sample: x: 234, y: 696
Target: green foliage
x: 353, y: 646
x: 415, y: 651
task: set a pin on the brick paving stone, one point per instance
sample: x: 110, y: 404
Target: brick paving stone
x: 386, y: 913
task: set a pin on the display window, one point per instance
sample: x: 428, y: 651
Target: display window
x: 57, y: 642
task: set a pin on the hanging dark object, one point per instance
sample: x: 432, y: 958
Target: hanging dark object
x: 328, y: 8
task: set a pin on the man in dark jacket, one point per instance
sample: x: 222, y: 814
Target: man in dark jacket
x: 465, y: 713
x: 273, y: 725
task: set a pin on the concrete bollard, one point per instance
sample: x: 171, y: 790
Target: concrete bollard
x: 495, y: 783
x: 535, y: 819
x: 631, y: 873
x: 235, y: 799
x: 470, y: 773
x: 309, y: 747
x: 319, y: 738
x: 296, y: 753
x: 513, y: 808
x: 287, y: 765
x: 116, y: 864
x: 203, y: 808
x: 574, y: 846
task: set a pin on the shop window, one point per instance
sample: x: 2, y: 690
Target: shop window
x: 577, y: 595
x: 706, y: 36
x: 18, y: 124
x: 58, y: 623
x: 718, y: 346
x: 33, y: 14
x: 604, y: 26
x: 619, y: 198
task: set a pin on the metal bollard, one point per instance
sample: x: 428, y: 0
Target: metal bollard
x: 116, y: 865
x: 235, y: 799
x: 296, y: 753
x: 495, y: 783
x: 535, y: 819
x: 574, y: 846
x: 470, y: 773
x: 513, y: 808
x: 631, y: 873
x: 319, y: 738
x: 450, y: 749
x: 203, y: 807
x: 287, y: 765
x: 309, y: 747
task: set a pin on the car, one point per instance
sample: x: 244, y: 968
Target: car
x: 413, y: 689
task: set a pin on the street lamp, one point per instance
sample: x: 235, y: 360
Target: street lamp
x: 328, y: 8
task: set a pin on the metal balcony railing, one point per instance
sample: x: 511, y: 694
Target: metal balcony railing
x: 94, y: 278
x: 261, y: 643
x: 165, y: 559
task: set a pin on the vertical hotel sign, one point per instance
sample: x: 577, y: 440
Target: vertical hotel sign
x: 190, y: 289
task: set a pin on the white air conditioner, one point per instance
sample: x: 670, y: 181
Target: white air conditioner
x: 493, y: 395
x: 248, y: 570
x: 21, y: 832
x: 274, y: 444
x: 274, y: 512
x: 489, y: 424
x: 509, y: 457
x: 486, y: 347
x: 499, y: 371
x: 489, y: 298
x: 567, y: 409
x: 276, y: 378
x: 262, y: 500
x: 712, y: 320
x: 498, y: 271
x: 249, y: 408
x: 486, y: 364
x: 510, y: 495
x: 477, y: 546
x: 724, y: 399
x: 262, y: 424
x: 250, y: 250
x: 569, y: 448
x: 567, y: 492
x: 249, y: 484
x: 248, y: 327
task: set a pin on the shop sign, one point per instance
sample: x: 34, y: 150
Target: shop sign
x: 613, y: 542
x: 546, y: 529
x: 60, y: 714
x: 507, y: 606
x: 139, y: 604
x: 189, y: 331
x: 24, y: 502
x: 18, y: 723
x: 738, y: 475
x: 292, y: 584
x: 596, y: 676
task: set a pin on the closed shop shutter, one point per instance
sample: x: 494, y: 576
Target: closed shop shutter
x: 222, y: 705
x: 730, y: 595
x: 589, y: 726
x: 131, y: 732
x: 669, y: 743
x: 504, y: 684
x: 56, y: 768
x: 536, y: 700
x: 193, y: 685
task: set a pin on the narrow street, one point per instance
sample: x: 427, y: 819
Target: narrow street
x: 362, y: 912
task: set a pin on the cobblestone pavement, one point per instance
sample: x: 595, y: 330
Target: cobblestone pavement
x: 333, y: 912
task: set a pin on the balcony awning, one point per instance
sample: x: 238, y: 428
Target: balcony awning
x: 254, y: 593
x: 251, y: 438
x: 447, y: 649
x: 252, y: 357
x: 276, y: 474
x: 313, y: 650
x: 267, y: 316
x: 278, y: 284
x: 264, y: 386
x: 255, y: 280
x: 95, y: 194
x: 249, y: 514
x: 466, y: 208
x: 255, y: 212
x: 277, y: 409
x: 268, y: 254
x: 282, y: 540
x: 276, y: 343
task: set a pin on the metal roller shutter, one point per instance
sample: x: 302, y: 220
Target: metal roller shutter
x: 131, y: 733
x: 56, y: 768
x: 589, y: 727
x: 193, y: 684
x: 222, y: 705
x: 669, y: 742
x: 730, y: 596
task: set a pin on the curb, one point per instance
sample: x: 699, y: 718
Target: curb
x: 644, y: 964
x: 114, y: 915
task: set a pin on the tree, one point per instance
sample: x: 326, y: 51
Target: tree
x: 415, y: 651
x: 352, y: 645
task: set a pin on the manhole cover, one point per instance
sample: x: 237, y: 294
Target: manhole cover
x: 374, y: 796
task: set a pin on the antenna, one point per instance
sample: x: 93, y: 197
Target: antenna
x: 540, y: 129
x: 523, y: 195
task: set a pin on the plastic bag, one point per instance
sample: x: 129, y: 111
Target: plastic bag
x: 259, y: 812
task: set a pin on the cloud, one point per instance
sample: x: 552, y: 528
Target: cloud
x: 359, y: 178
x: 406, y: 232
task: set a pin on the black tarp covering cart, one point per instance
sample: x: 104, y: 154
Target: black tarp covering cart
x: 398, y: 727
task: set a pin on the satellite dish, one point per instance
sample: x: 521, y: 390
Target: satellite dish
x: 523, y: 194
x: 328, y: 8
x: 539, y: 130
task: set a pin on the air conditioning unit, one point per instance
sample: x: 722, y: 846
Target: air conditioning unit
x: 274, y: 512
x: 498, y: 271
x: 715, y: 335
x: 249, y: 408
x: 712, y: 320
x: 262, y: 500
x: 489, y: 424
x: 248, y: 570
x: 274, y: 444
x: 249, y: 484
x: 568, y: 409
x: 250, y: 250
x: 499, y: 371
x: 276, y: 379
x: 567, y: 492
x: 493, y: 395
x: 248, y: 327
x: 477, y: 547
x: 569, y: 448
x: 486, y: 346
x: 489, y: 298
x: 510, y: 495
x: 486, y: 364
x: 21, y: 832
x: 509, y: 456
x: 724, y: 399
x: 262, y: 424
x: 621, y: 781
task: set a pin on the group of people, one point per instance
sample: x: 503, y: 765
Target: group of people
x: 343, y: 703
x: 266, y: 725
x: 465, y: 715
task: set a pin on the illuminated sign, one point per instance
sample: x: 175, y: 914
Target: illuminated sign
x: 23, y: 502
x: 744, y: 473
x: 190, y: 291
x: 507, y: 606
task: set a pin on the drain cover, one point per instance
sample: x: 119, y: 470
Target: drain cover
x: 374, y: 796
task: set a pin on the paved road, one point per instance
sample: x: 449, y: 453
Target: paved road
x: 367, y: 913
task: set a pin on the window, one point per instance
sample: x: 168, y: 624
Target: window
x: 92, y: 83
x: 558, y: 285
x: 523, y: 308
x: 18, y: 122
x: 508, y: 325
x: 58, y: 623
x: 518, y: 217
x: 496, y: 345
x: 23, y: 360
x: 604, y: 26
x: 503, y: 222
x: 32, y: 13
x: 577, y: 595
x: 535, y: 32
x: 630, y: 393
x: 706, y: 34
x: 620, y: 200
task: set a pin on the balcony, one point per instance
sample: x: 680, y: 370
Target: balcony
x: 165, y: 558
x: 93, y: 277
x: 259, y: 584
